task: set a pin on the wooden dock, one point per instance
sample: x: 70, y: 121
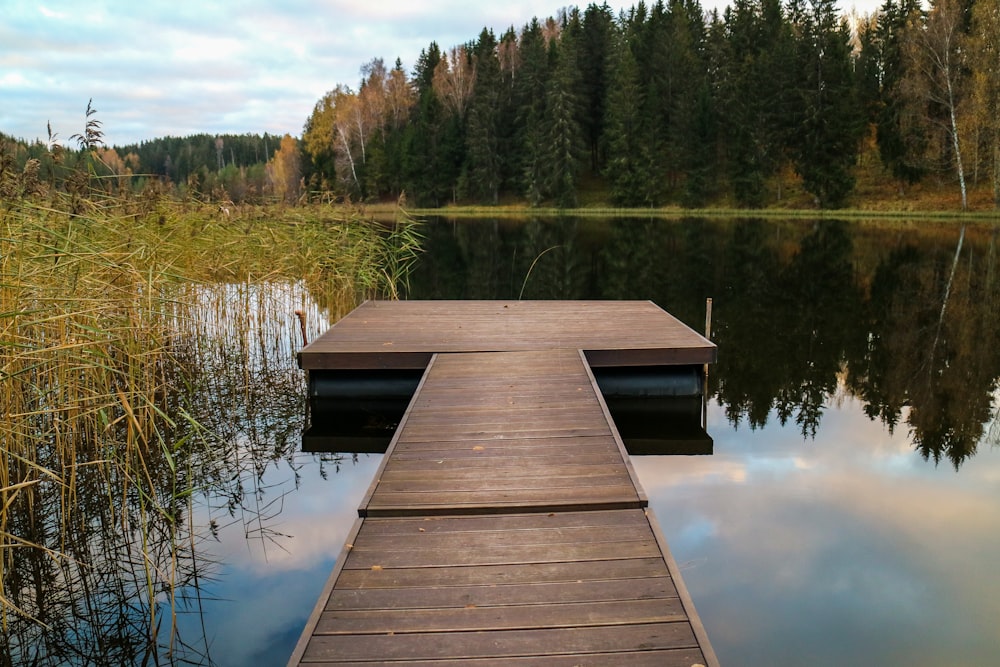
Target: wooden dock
x: 405, y: 334
x: 505, y: 524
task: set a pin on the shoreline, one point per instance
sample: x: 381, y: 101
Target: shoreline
x: 520, y: 212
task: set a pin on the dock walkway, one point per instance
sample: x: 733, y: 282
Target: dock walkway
x: 505, y: 526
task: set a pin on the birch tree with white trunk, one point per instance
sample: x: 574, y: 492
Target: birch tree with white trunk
x: 934, y: 54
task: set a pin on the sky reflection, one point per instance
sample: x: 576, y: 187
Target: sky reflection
x: 846, y: 549
x: 266, y: 586
x: 849, y: 548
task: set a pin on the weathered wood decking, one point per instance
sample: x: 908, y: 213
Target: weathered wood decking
x: 505, y: 526
x: 405, y: 334
x: 504, y: 432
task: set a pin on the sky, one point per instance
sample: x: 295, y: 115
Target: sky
x: 155, y: 68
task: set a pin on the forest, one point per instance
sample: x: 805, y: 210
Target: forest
x: 663, y: 105
x: 668, y: 104
x: 236, y: 168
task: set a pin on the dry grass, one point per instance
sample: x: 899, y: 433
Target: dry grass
x: 105, y: 330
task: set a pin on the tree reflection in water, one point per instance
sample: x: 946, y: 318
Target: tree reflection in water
x: 112, y: 576
x: 801, y: 309
x: 940, y: 372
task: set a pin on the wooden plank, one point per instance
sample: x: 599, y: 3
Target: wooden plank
x: 436, y: 484
x: 600, y: 498
x: 506, y: 536
x: 405, y: 334
x: 498, y: 456
x: 460, y: 544
x: 443, y: 597
x: 475, y: 414
x: 497, y: 575
x: 488, y: 550
x: 638, y: 658
x: 458, y: 478
x: 500, y: 420
x: 510, y: 522
x: 501, y: 431
x: 472, y: 618
x: 472, y: 645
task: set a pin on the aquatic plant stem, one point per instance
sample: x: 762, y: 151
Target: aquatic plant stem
x: 530, y: 268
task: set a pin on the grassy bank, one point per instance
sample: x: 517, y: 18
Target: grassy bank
x: 518, y: 212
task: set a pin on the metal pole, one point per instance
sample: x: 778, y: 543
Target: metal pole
x: 704, y: 379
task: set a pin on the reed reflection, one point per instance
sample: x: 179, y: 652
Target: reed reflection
x: 108, y: 582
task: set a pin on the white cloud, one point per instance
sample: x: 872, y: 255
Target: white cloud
x: 215, y: 64
x: 310, y: 529
x: 48, y: 13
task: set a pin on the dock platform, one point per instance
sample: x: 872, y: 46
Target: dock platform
x: 405, y: 334
x: 505, y: 525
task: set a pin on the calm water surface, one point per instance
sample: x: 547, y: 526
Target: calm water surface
x: 850, y: 513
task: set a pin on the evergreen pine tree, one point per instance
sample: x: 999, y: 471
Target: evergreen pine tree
x: 593, y: 58
x: 530, y: 94
x: 424, y: 178
x: 562, y: 131
x: 755, y: 99
x: 691, y: 134
x: 827, y: 144
x: 483, y: 138
x: 901, y: 140
x: 650, y: 42
x: 628, y: 154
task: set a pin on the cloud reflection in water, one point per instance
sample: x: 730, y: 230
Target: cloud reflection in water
x: 265, y: 589
x: 846, y: 549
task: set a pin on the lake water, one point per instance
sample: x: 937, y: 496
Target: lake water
x: 850, y: 512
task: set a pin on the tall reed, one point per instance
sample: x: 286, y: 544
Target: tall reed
x: 105, y: 334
